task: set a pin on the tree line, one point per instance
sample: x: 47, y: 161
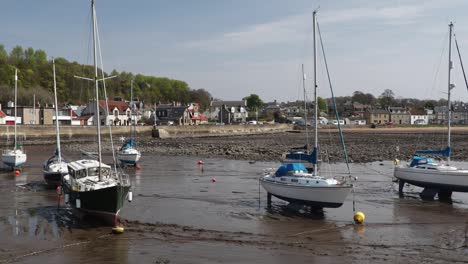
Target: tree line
x: 35, y: 77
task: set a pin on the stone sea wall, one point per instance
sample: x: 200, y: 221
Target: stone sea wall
x: 37, y: 133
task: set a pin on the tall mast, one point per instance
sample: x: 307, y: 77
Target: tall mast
x: 16, y: 96
x: 96, y: 81
x: 305, y: 106
x: 450, y: 87
x: 57, y: 129
x: 315, y: 92
x: 131, y: 110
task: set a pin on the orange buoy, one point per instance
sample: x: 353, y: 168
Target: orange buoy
x: 200, y: 162
x: 213, y: 179
x: 17, y: 172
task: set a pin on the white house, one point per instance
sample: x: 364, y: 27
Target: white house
x: 119, y: 113
x: 419, y: 119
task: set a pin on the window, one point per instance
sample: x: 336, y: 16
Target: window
x: 294, y: 180
x: 116, y: 113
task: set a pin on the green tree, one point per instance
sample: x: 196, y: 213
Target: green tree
x: 322, y: 104
x: 3, y: 54
x: 253, y: 102
x: 202, y: 97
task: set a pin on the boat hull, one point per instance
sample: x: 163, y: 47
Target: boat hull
x: 104, y: 203
x: 129, y: 156
x: 54, y: 178
x: 450, y: 180
x: 12, y: 159
x: 329, y: 197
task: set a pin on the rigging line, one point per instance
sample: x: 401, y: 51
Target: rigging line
x: 440, y: 62
x: 334, y: 101
x: 105, y: 95
x: 461, y: 62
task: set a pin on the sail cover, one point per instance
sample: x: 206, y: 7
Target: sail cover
x: 442, y: 152
x: 285, y: 168
x: 312, y: 157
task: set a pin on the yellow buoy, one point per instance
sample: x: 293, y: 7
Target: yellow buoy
x: 118, y: 230
x: 359, y: 217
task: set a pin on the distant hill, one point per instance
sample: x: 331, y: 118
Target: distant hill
x: 35, y: 77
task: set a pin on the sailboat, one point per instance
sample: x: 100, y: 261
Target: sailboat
x: 56, y: 166
x: 292, y: 182
x: 15, y: 157
x: 423, y: 171
x: 128, y: 153
x: 91, y: 186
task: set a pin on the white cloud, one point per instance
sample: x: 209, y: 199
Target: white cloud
x: 296, y: 28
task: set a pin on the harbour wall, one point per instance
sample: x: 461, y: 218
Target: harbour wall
x: 35, y: 133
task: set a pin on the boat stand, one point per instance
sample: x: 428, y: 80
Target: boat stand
x: 401, y: 184
x: 445, y: 195
x: 269, y: 200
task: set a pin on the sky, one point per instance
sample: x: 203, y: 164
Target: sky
x: 236, y: 48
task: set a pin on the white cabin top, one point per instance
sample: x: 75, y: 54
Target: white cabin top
x: 87, y: 168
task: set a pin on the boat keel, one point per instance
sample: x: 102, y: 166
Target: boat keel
x: 428, y: 193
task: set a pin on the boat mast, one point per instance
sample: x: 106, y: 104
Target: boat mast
x: 315, y: 92
x: 57, y: 131
x: 96, y: 81
x: 131, y: 109
x: 16, y: 96
x: 305, y: 107
x: 450, y: 87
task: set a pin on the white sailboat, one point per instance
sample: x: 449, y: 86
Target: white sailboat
x: 55, y: 167
x: 424, y: 171
x: 15, y: 157
x: 92, y: 187
x: 293, y: 183
x: 128, y: 153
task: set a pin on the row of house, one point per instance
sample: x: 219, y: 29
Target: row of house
x: 120, y: 113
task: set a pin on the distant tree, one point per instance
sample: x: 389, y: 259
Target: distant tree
x: 429, y: 104
x: 322, y: 104
x: 363, y: 98
x: 3, y: 54
x: 202, y: 97
x: 387, y: 98
x: 253, y: 102
x: 16, y: 56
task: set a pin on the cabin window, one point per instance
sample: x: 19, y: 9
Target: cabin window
x: 93, y: 171
x: 71, y: 172
x: 293, y: 180
x: 80, y: 174
x: 283, y: 179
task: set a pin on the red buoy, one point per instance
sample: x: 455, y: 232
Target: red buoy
x: 200, y: 162
x: 137, y: 167
x: 213, y: 179
x: 17, y: 172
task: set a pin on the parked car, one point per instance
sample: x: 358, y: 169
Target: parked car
x: 252, y: 122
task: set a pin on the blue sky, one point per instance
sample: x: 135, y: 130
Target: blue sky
x: 235, y: 48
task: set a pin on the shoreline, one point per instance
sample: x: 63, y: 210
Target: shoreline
x: 362, y: 145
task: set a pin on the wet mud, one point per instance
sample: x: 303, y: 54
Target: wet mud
x: 180, y: 215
